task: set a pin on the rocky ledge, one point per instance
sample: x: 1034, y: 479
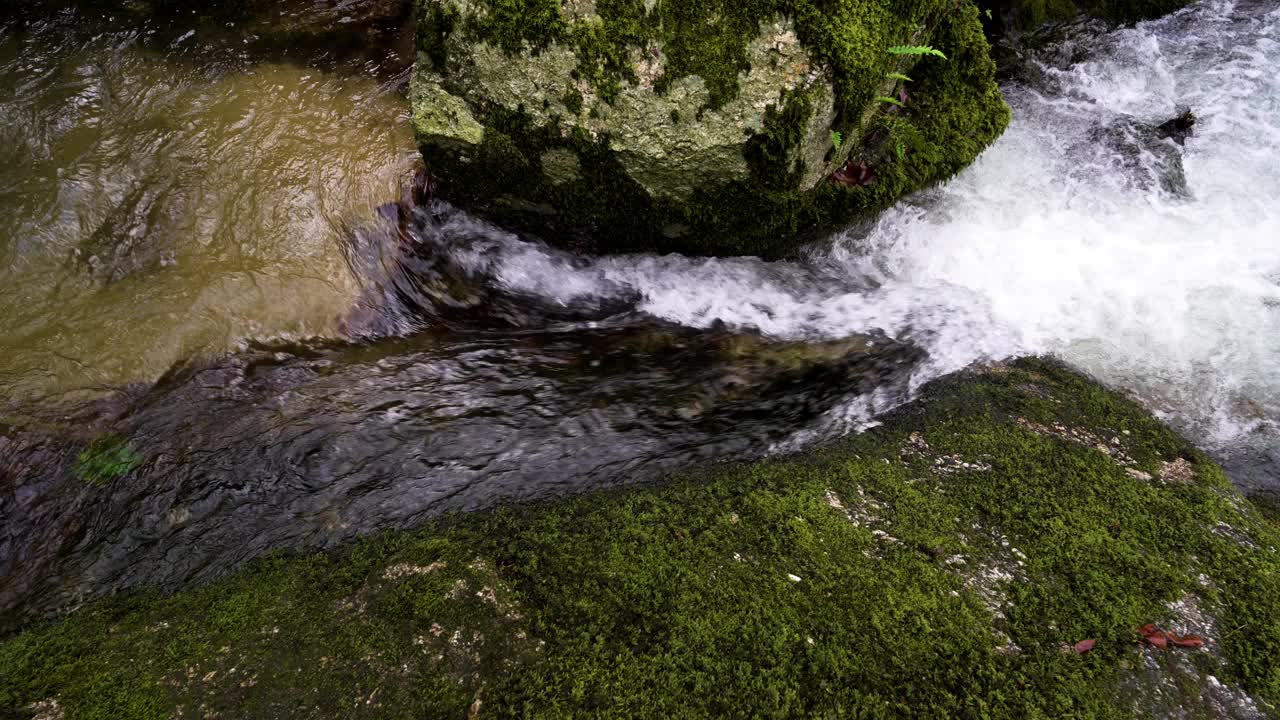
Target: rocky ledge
x: 1018, y: 543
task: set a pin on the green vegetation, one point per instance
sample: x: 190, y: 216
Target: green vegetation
x: 916, y: 50
x: 935, y: 566
x: 105, y: 459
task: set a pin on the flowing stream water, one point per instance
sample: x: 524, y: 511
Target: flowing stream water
x: 206, y: 259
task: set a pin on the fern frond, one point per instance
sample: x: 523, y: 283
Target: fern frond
x: 890, y: 100
x: 916, y: 50
x: 898, y: 76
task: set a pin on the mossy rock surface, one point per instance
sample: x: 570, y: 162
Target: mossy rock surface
x: 704, y: 127
x: 945, y: 564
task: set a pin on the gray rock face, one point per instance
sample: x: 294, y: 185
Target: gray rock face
x: 670, y: 143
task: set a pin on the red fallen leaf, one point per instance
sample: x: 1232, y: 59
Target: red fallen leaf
x: 1154, y: 635
x: 1084, y: 646
x: 1186, y: 641
x: 854, y: 175
x: 1162, y: 639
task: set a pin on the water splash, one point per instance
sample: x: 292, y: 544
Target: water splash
x: 1173, y: 296
x: 1080, y: 234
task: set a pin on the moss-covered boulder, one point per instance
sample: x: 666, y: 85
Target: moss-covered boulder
x: 996, y: 550
x: 707, y: 127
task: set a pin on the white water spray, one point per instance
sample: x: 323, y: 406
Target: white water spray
x: 1043, y: 247
x: 1072, y: 236
x: 1057, y: 242
x: 1175, y: 298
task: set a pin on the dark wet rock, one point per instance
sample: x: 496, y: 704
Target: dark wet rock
x: 1179, y: 128
x: 312, y: 446
x: 139, y: 234
x: 1029, y: 58
x: 1256, y: 471
x: 1005, y: 17
x: 1138, y: 153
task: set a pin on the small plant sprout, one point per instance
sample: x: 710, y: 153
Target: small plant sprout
x: 898, y: 76
x: 836, y: 139
x: 916, y: 50
x: 105, y: 459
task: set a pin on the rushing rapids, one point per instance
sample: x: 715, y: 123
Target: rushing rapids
x: 338, y: 370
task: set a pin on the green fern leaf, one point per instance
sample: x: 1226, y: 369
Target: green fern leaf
x: 916, y: 50
x: 890, y: 100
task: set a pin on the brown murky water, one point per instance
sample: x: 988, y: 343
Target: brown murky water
x: 168, y: 195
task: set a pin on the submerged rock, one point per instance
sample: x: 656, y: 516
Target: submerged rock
x: 680, y: 125
x: 1141, y: 154
x: 1179, y: 128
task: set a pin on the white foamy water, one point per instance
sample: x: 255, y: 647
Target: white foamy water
x: 1060, y: 240
x: 1174, y: 297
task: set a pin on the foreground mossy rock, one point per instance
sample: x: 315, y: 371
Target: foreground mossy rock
x: 702, y: 127
x: 953, y: 562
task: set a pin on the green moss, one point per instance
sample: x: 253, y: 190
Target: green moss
x: 954, y: 113
x: 709, y: 39
x: 106, y: 459
x: 573, y: 101
x: 604, y: 48
x: 435, y: 24
x: 769, y: 152
x: 839, y: 583
x: 516, y: 25
x: 700, y: 38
